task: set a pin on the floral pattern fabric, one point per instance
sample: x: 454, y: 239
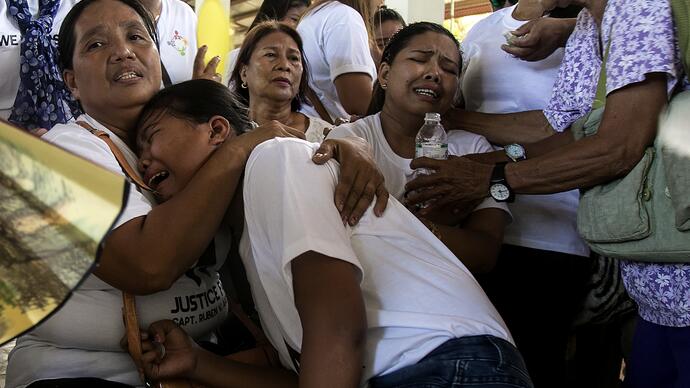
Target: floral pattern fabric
x: 42, y: 99
x: 640, y: 38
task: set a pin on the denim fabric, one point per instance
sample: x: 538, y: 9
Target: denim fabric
x: 478, y: 361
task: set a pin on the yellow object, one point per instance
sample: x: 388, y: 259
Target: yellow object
x: 55, y: 209
x: 213, y: 30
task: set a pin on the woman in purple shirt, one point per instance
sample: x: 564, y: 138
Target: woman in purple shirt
x: 642, y: 71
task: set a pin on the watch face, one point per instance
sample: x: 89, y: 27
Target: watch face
x: 499, y: 192
x: 515, y: 151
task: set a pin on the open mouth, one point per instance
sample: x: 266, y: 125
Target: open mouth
x: 426, y: 92
x: 157, y: 179
x: 127, y: 75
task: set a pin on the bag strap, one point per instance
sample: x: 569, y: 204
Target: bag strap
x: 165, y: 76
x: 121, y: 160
x: 600, y: 98
x: 316, y: 102
x: 681, y: 18
x: 128, y: 300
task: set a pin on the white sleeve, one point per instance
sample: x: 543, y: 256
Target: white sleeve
x: 288, y: 204
x: 96, y: 150
x: 346, y: 46
x: 342, y: 131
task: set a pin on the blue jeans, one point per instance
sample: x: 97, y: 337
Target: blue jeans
x: 478, y: 361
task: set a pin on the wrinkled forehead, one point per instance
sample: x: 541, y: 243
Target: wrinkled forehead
x: 147, y: 122
x: 433, y: 42
x: 104, y: 14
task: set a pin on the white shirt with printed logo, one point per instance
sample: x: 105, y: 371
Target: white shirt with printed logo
x: 10, y: 40
x: 82, y: 338
x: 177, y: 35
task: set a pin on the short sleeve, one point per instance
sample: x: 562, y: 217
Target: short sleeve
x: 642, y: 41
x: 288, y: 202
x: 95, y: 150
x: 346, y: 45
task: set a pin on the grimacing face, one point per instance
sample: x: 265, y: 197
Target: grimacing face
x: 423, y: 76
x: 171, y: 150
x: 274, y: 70
x: 115, y: 62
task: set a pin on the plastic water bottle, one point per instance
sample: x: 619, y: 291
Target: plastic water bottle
x: 431, y: 140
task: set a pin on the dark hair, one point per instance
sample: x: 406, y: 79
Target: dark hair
x: 276, y: 10
x: 249, y: 44
x: 196, y: 101
x: 397, y: 43
x: 385, y: 14
x: 66, y: 39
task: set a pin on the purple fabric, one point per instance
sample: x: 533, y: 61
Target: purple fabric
x: 642, y: 41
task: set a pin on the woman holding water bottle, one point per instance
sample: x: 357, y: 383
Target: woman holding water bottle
x: 417, y: 80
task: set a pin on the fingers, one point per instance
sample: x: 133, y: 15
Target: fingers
x: 199, y: 60
x: 324, y: 153
x: 381, y: 200
x: 523, y: 29
x: 423, y: 181
x: 364, y: 200
x: 429, y: 163
x: 346, y: 194
x: 519, y: 52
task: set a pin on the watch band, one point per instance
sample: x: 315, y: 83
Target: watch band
x: 498, y: 180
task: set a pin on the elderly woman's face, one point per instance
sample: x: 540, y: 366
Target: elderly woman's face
x: 274, y: 70
x: 115, y: 62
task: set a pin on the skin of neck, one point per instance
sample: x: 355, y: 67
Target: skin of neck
x: 155, y: 6
x: 119, y: 122
x: 263, y: 110
x: 400, y: 129
x: 528, y: 10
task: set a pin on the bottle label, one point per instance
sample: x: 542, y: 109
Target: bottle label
x: 431, y: 150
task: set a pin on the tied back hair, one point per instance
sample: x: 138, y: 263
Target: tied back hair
x: 195, y: 101
x: 275, y: 10
x: 249, y: 45
x: 397, y: 43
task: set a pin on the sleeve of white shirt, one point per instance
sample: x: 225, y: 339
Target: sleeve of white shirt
x: 288, y: 204
x: 464, y: 143
x: 96, y: 150
x: 346, y: 45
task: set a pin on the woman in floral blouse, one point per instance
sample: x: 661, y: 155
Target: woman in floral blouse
x: 642, y: 71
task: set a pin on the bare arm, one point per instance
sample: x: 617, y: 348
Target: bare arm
x: 147, y: 254
x: 354, y: 92
x: 502, y: 129
x: 628, y: 126
x: 331, y: 309
x: 478, y: 240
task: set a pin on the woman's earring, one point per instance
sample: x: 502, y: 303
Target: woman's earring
x: 384, y: 86
x: 243, y: 85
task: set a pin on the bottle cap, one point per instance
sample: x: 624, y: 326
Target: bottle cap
x: 432, y: 117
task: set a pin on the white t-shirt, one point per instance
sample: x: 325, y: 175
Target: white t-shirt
x: 396, y: 169
x: 496, y: 82
x: 177, y: 34
x: 82, y: 338
x: 335, y: 43
x: 231, y: 62
x: 10, y: 41
x: 417, y: 294
x: 317, y: 130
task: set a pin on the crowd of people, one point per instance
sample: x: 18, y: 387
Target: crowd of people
x: 274, y: 184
